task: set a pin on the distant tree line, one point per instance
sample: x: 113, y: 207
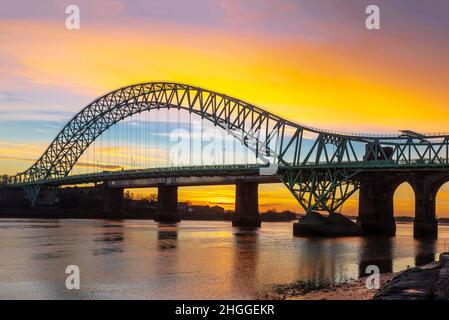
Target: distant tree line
x: 128, y: 195
x: 4, y: 179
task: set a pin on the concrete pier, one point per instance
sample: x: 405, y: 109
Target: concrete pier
x: 246, y: 205
x: 113, y: 199
x: 13, y: 198
x: 167, y: 203
x: 376, y: 206
x: 376, y: 203
x: 425, y: 223
x: 313, y: 224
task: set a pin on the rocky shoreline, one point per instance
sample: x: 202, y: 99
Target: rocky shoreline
x: 349, y: 290
x: 428, y: 282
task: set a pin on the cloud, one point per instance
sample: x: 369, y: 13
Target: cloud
x: 309, y: 61
x: 81, y: 164
x: 96, y: 165
x: 54, y: 10
x: 10, y: 112
x: 3, y: 157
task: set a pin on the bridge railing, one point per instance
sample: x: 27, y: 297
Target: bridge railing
x: 356, y: 165
x: 18, y: 180
x: 379, y: 163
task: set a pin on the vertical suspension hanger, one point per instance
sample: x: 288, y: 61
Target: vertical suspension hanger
x: 223, y: 146
x: 108, y: 137
x: 167, y: 141
x: 147, y: 165
x: 131, y: 143
x: 137, y: 131
x: 168, y: 137
x: 179, y: 141
x: 116, y: 145
x: 137, y: 142
x: 134, y: 142
x: 201, y: 138
x: 121, y: 141
x: 214, y: 144
x: 150, y: 144
x: 121, y: 144
x: 126, y: 141
x: 157, y: 136
x: 234, y: 155
x: 101, y: 152
x: 94, y: 158
x: 190, y: 138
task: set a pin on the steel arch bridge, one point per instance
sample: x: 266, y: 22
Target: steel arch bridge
x: 320, y: 168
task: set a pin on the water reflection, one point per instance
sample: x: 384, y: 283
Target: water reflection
x: 376, y: 251
x: 111, y: 238
x: 425, y: 252
x: 245, y: 262
x: 167, y: 237
x: 326, y: 257
x: 192, y: 260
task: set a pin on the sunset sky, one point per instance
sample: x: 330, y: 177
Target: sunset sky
x: 313, y: 62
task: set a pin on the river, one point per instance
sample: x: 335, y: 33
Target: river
x: 138, y: 259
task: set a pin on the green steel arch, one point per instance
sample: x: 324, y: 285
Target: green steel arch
x: 319, y: 167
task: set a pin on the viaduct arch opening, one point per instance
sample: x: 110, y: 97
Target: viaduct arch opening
x: 404, y: 203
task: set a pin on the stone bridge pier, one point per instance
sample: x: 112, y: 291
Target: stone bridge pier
x: 13, y: 198
x: 167, y: 204
x: 425, y: 224
x: 246, y: 205
x: 113, y: 198
x: 376, y: 203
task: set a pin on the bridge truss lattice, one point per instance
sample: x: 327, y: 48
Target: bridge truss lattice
x: 320, y: 168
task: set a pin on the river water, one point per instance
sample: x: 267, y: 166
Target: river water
x: 194, y: 260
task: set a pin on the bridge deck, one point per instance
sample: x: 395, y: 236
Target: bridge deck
x: 232, y: 172
x: 154, y: 173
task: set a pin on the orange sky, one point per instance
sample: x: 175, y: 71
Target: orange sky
x: 345, y: 88
x: 311, y: 62
x: 277, y: 197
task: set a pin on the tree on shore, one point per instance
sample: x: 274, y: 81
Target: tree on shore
x: 4, y: 178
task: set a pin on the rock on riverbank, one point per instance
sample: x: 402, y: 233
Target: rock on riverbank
x: 429, y: 282
x: 349, y: 290
x: 333, y: 225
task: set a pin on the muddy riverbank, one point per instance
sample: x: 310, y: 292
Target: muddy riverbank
x: 428, y: 282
